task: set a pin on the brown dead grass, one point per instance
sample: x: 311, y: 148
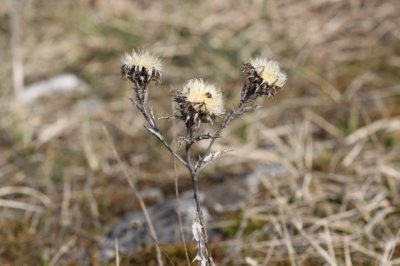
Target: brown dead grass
x: 336, y: 126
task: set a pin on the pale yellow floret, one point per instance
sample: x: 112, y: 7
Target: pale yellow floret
x: 143, y: 59
x: 269, y: 71
x: 205, y: 96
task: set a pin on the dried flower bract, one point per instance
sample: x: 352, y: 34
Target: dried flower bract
x: 199, y: 102
x: 264, y: 77
x: 141, y: 67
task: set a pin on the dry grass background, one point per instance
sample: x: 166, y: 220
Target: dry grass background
x: 336, y: 126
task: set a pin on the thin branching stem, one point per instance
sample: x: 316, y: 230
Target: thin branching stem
x: 158, y: 135
x: 191, y: 169
x: 140, y: 103
x: 227, y: 120
x: 202, y: 106
x: 195, y: 184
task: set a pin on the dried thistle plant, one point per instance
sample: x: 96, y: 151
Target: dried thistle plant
x: 199, y: 102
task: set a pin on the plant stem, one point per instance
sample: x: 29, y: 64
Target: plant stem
x: 189, y: 165
x: 140, y: 102
x: 195, y: 184
x: 228, y: 118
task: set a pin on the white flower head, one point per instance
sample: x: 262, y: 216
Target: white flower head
x: 206, y: 97
x: 269, y: 71
x: 142, y: 59
x: 200, y: 101
x: 141, y: 66
x: 264, y: 78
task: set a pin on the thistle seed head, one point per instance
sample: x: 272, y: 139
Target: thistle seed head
x: 141, y: 67
x: 199, y: 102
x: 264, y: 78
x: 269, y: 71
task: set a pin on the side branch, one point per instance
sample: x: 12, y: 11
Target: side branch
x: 153, y: 129
x: 228, y: 119
x: 158, y: 135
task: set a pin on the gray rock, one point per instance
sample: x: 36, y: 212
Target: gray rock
x: 61, y: 84
x: 132, y: 232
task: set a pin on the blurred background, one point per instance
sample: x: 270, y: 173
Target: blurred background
x: 325, y: 151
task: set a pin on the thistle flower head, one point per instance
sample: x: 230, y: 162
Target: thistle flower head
x: 141, y: 67
x: 264, y: 76
x: 205, y: 97
x: 269, y: 71
x: 199, y: 101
